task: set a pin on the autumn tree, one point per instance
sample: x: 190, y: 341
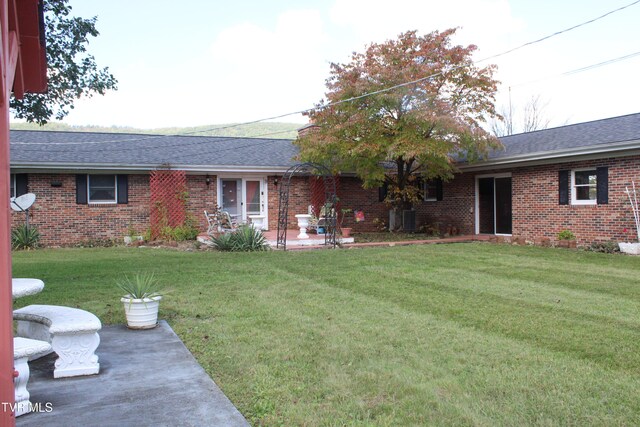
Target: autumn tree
x: 414, y: 130
x: 71, y: 73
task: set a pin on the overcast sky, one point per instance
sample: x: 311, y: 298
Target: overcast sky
x: 201, y: 62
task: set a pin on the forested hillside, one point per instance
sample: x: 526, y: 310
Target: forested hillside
x: 266, y: 129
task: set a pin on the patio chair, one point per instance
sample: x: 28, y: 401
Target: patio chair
x: 226, y: 222
x: 212, y: 222
x: 219, y: 222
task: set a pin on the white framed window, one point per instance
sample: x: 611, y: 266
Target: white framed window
x: 584, y: 187
x: 12, y: 185
x: 102, y: 189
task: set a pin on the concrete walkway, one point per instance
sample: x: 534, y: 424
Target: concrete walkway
x: 147, y: 378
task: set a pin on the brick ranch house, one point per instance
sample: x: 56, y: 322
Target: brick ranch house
x: 96, y: 185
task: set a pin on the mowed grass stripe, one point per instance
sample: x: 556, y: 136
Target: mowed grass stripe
x: 422, y: 335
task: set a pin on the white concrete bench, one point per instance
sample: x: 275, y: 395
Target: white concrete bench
x: 23, y: 348
x: 73, y: 334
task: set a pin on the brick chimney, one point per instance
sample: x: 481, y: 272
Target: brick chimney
x: 306, y: 129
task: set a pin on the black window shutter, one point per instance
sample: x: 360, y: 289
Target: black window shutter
x: 123, y: 189
x: 602, y: 186
x: 563, y: 191
x: 382, y: 192
x: 21, y: 184
x: 81, y: 189
x: 439, y: 193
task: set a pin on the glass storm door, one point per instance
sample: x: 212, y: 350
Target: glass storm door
x: 494, y: 205
x: 503, y: 205
x: 253, y: 197
x: 232, y: 197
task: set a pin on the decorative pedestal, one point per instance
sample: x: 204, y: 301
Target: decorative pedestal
x: 257, y: 221
x: 303, y: 223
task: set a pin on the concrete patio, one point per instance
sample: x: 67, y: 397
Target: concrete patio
x: 147, y: 378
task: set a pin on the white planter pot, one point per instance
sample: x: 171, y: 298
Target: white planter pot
x: 303, y: 223
x: 630, y: 248
x: 141, y: 313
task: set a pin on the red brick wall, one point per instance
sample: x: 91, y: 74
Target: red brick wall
x: 536, y: 212
x: 61, y: 221
x: 201, y: 197
x: 299, y: 200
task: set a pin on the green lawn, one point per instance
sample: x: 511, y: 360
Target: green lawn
x: 460, y: 334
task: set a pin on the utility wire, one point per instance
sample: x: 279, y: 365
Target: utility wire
x: 365, y: 95
x: 581, y: 69
x: 600, y: 64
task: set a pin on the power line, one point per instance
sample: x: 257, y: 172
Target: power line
x: 365, y: 95
x: 581, y: 69
x: 600, y: 64
x: 561, y: 31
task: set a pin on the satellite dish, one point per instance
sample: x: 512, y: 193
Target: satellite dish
x: 22, y: 203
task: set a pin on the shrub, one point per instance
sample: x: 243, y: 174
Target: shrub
x: 605, y: 247
x: 23, y: 237
x: 566, y: 235
x: 185, y: 232
x: 244, y: 239
x: 94, y: 243
x: 179, y: 233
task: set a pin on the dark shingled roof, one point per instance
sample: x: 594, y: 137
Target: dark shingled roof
x: 595, y: 133
x: 84, y: 149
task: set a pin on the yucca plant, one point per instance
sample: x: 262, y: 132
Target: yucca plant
x: 245, y: 238
x: 223, y: 242
x: 141, y: 286
x: 249, y: 239
x: 141, y: 300
x: 23, y: 237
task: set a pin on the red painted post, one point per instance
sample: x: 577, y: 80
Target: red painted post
x: 7, y: 396
x: 22, y: 54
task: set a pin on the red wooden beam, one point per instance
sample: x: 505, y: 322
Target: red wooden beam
x: 22, y: 60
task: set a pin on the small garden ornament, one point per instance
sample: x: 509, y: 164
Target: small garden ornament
x: 634, y: 247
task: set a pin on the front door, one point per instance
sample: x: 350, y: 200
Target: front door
x: 493, y: 205
x: 244, y: 198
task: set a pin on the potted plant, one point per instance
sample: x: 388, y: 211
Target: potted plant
x: 566, y: 239
x: 632, y: 248
x: 345, y: 231
x: 141, y: 299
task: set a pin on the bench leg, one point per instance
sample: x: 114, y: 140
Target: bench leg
x: 76, y: 354
x: 23, y: 405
